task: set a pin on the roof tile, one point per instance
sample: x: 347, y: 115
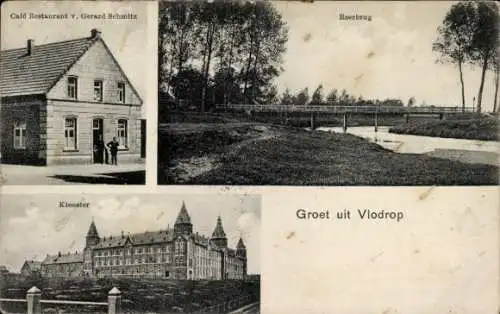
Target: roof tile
x: 23, y: 74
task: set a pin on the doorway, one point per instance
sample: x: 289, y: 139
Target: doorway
x: 98, y: 141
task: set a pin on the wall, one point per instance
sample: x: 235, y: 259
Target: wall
x: 62, y: 270
x: 57, y: 111
x: 96, y: 64
x: 31, y: 110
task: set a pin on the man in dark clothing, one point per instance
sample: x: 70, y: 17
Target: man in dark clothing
x: 113, y: 148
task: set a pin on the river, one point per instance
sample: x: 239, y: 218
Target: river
x: 469, y: 151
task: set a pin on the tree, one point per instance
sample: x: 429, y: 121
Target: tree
x: 317, y: 96
x: 496, y: 69
x: 485, y: 40
x: 411, y: 101
x: 226, y: 87
x: 271, y: 95
x: 177, y: 40
x: 241, y: 43
x: 266, y: 35
x: 455, y: 38
x: 344, y: 98
x: 302, y: 97
x: 287, y: 99
x: 331, y: 99
x: 186, y: 86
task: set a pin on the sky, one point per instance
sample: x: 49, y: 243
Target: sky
x: 34, y: 225
x: 131, y: 40
x: 389, y: 57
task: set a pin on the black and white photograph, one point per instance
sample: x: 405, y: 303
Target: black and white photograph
x: 328, y: 93
x: 139, y: 253
x: 74, y: 93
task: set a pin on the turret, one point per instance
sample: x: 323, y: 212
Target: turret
x: 241, y: 249
x: 219, y: 236
x: 92, y: 235
x: 183, y: 223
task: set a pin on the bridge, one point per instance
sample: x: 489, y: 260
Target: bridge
x: 344, y: 109
x: 315, y: 115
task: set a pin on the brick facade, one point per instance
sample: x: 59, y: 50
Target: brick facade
x: 176, y: 253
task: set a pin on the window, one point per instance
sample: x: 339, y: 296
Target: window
x: 70, y: 134
x: 98, y: 90
x: 20, y: 135
x: 73, y: 87
x: 121, y: 92
x: 122, y: 133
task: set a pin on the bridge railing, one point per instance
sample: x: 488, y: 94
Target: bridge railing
x: 34, y: 301
x: 344, y: 109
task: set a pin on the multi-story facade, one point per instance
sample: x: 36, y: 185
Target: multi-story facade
x: 61, y: 101
x: 177, y: 253
x: 62, y: 265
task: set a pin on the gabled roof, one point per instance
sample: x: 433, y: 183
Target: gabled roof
x: 63, y: 258
x: 151, y: 237
x: 33, y: 265
x: 183, y: 217
x: 3, y: 269
x: 147, y: 237
x: 219, y: 230
x: 37, y: 73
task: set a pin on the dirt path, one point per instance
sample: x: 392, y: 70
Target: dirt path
x: 186, y: 169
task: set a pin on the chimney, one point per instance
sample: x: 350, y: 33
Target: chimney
x: 59, y: 254
x: 29, y: 46
x: 95, y: 33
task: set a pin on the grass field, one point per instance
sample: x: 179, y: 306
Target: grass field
x: 138, y: 295
x: 477, y: 128
x: 292, y: 156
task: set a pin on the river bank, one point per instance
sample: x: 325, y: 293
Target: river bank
x: 464, y: 150
x: 478, y: 128
x: 275, y: 155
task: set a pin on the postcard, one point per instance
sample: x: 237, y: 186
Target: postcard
x: 231, y: 157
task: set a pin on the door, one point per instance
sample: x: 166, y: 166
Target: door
x: 98, y: 141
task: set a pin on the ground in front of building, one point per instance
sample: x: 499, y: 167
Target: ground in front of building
x: 139, y: 295
x: 132, y: 173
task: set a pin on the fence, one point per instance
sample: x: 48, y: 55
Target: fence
x: 227, y: 306
x: 34, y: 301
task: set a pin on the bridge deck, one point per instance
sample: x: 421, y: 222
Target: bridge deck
x: 344, y: 109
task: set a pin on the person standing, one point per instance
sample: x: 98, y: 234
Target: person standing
x: 113, y: 148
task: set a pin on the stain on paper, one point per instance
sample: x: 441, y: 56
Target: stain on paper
x: 425, y: 194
